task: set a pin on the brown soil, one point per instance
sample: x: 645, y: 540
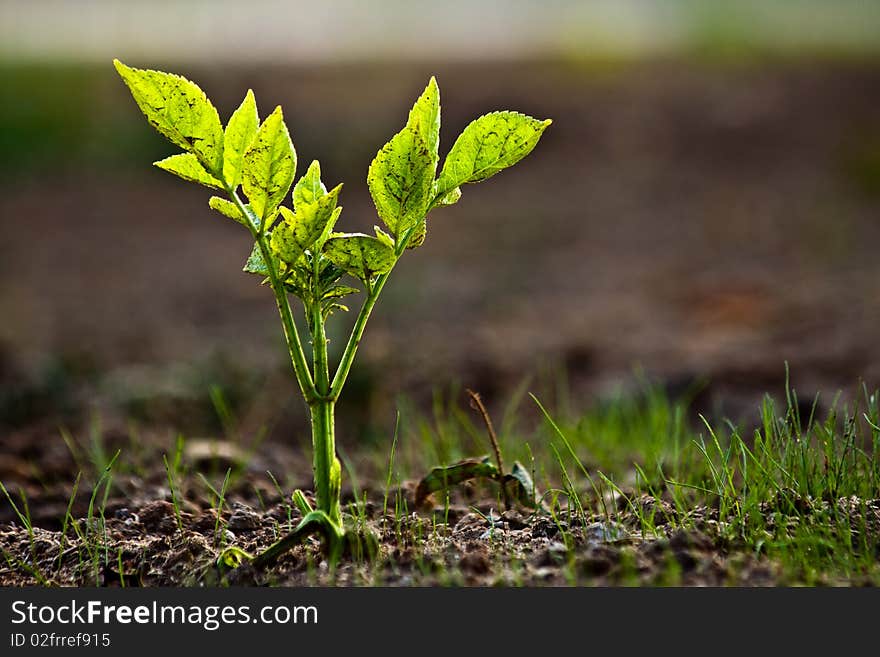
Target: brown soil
x: 443, y: 546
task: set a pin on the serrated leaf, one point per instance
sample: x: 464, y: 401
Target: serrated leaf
x: 384, y: 237
x: 299, y: 231
x: 400, y: 179
x: 360, y: 255
x: 284, y: 242
x: 227, y: 209
x: 269, y: 166
x: 239, y: 135
x: 312, y: 220
x: 489, y: 144
x: 424, y: 118
x: 180, y: 110
x: 188, y: 167
x: 255, y: 263
x: 441, y: 478
x: 309, y: 188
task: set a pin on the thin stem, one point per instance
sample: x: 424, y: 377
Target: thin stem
x: 354, y: 339
x: 477, y: 405
x: 360, y: 323
x: 319, y: 349
x: 291, y: 334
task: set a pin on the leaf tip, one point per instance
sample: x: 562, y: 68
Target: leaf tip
x: 121, y: 68
x: 163, y: 163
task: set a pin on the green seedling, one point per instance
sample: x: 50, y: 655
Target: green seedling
x: 297, y: 250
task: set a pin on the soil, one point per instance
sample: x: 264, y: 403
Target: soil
x: 471, y: 545
x: 442, y: 546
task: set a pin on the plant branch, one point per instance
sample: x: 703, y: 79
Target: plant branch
x: 291, y: 333
x: 316, y: 521
x: 360, y: 323
x: 354, y: 339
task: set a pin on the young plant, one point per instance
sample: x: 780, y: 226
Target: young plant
x: 296, y: 249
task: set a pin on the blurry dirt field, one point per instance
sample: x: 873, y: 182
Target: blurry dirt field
x: 703, y: 220
x: 702, y: 223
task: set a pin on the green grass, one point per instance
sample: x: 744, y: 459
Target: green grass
x: 790, y: 488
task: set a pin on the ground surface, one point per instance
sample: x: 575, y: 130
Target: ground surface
x: 703, y: 222
x: 147, y: 548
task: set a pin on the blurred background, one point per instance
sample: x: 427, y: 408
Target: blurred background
x: 705, y: 207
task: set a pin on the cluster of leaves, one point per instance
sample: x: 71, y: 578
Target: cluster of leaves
x: 309, y: 257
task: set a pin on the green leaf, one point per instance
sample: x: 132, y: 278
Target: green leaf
x: 384, y: 237
x: 417, y: 238
x: 232, y: 557
x: 328, y: 274
x: 314, y: 206
x: 255, y: 263
x: 525, y: 490
x: 227, y: 209
x: 360, y: 255
x: 328, y: 309
x: 309, y: 188
x: 178, y: 109
x: 328, y: 229
x: 442, y: 478
x: 312, y: 220
x: 339, y: 291
x: 400, y: 179
x: 489, y: 144
x: 335, y: 483
x: 449, y: 198
x: 269, y: 166
x: 299, y: 231
x: 240, y: 133
x: 299, y: 499
x: 188, y: 167
x: 424, y: 118
x: 284, y: 242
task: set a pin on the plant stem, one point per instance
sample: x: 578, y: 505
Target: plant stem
x: 327, y: 471
x: 354, y: 339
x: 316, y: 521
x: 477, y: 405
x: 360, y: 323
x: 291, y: 334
